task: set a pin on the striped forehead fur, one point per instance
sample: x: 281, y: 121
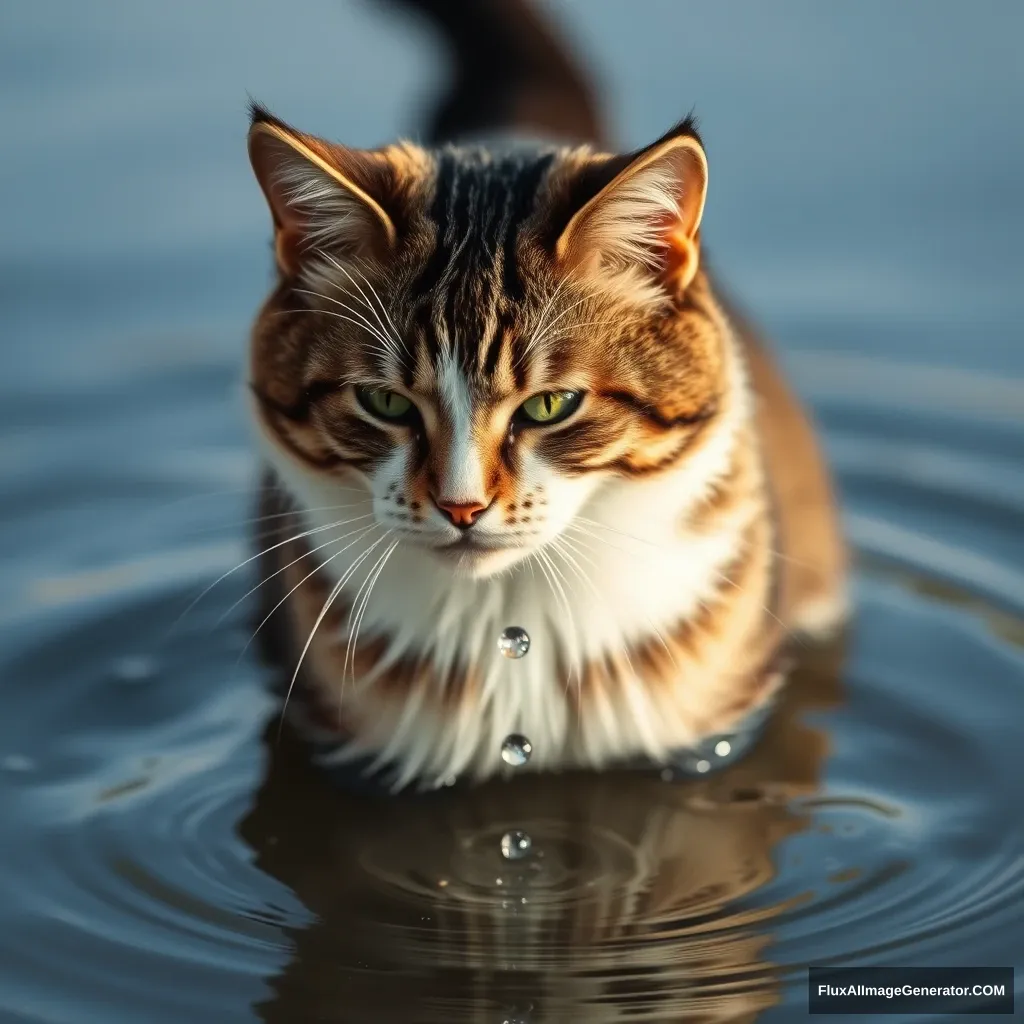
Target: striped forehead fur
x: 463, y: 284
x: 456, y: 280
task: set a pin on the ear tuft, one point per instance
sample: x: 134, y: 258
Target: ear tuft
x: 258, y: 113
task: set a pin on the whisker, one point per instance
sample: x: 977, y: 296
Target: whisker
x: 537, y: 338
x: 235, y: 523
x: 732, y: 583
x: 372, y: 578
x: 353, y: 612
x: 382, y: 338
x: 718, y: 573
x: 331, y: 597
x: 326, y: 544
x: 272, y: 611
x: 556, y: 578
x: 541, y: 319
x: 557, y: 546
x: 260, y: 554
x: 644, y: 557
x: 396, y: 333
x: 612, y: 529
x: 573, y: 327
x: 396, y: 338
x: 800, y: 563
x: 340, y: 316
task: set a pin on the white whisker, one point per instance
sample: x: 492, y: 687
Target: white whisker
x: 732, y: 583
x: 537, y: 338
x: 375, y: 331
x: 260, y: 554
x: 354, y: 627
x: 382, y: 349
x: 556, y: 579
x: 320, y: 565
x: 297, y: 513
x: 331, y: 597
x: 395, y: 339
x: 277, y: 572
x: 541, y: 319
x: 395, y: 332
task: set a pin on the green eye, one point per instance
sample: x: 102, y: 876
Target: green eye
x: 550, y: 406
x: 388, y: 405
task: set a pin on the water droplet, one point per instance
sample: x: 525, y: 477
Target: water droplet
x: 703, y: 766
x: 667, y: 775
x: 134, y: 668
x: 515, y: 1015
x: 516, y: 750
x: 515, y: 845
x: 514, y: 642
x: 723, y: 748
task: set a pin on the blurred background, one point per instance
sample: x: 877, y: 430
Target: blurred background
x: 865, y: 206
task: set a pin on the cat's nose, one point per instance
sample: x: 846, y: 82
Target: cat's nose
x: 462, y: 514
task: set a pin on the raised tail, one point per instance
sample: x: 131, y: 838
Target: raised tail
x: 510, y: 73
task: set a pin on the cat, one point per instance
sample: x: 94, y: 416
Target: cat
x: 496, y: 385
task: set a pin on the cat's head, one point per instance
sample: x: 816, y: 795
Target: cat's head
x: 482, y: 340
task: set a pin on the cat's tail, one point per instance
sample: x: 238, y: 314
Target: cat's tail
x: 510, y: 73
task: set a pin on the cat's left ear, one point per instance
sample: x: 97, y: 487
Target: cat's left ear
x: 645, y: 218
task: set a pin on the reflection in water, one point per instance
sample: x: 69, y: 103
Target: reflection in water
x: 638, y: 901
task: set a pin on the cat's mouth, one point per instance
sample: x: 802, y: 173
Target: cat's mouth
x: 468, y: 543
x: 477, y: 557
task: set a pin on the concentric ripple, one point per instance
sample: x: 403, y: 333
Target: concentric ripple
x: 164, y: 857
x: 124, y: 881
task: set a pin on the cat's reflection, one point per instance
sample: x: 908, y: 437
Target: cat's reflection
x: 638, y: 903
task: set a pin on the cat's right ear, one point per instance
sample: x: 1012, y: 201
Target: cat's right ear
x: 321, y: 196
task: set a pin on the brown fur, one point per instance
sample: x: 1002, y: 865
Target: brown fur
x: 552, y: 242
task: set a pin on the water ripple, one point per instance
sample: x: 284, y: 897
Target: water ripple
x: 163, y: 857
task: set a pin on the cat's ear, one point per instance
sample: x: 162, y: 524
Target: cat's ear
x: 321, y: 195
x: 643, y: 223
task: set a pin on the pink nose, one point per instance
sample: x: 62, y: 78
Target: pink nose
x: 462, y: 514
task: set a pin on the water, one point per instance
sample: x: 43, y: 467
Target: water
x: 515, y: 845
x: 165, y: 858
x: 514, y: 642
x: 516, y: 750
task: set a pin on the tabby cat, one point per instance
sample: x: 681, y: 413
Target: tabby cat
x: 494, y: 385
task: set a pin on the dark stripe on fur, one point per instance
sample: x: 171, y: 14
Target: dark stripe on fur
x: 641, y: 408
